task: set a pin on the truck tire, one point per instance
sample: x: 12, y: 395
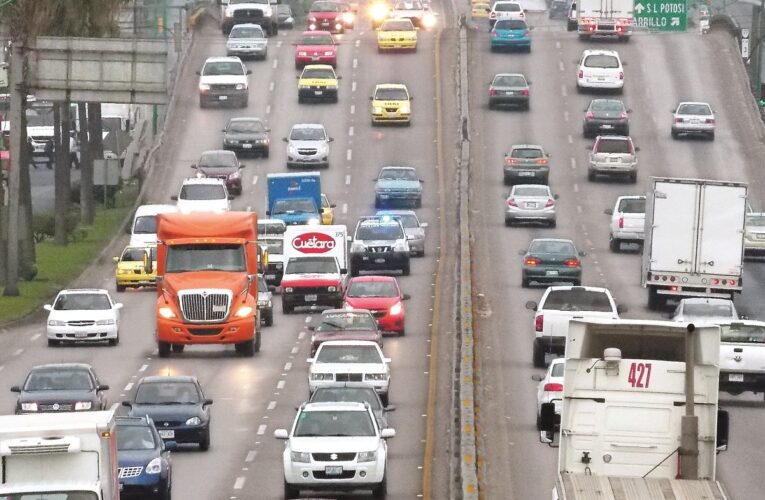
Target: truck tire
x: 164, y: 349
x: 178, y: 348
x: 525, y: 282
x: 614, y: 245
x: 245, y: 349
x: 538, y: 356
x: 633, y: 177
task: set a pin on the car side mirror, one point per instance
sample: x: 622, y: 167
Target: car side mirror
x: 531, y: 305
x: 115, y: 259
x: 284, y: 139
x: 231, y: 197
x: 15, y: 388
x: 127, y: 404
x: 371, y: 98
x: 207, y: 402
x: 582, y: 254
x: 609, y: 211
x: 723, y: 423
x: 281, y: 434
x: 310, y: 360
x: 547, y: 420
x: 48, y: 307
x: 118, y: 305
x: 411, y: 98
x: 621, y: 309
x: 174, y: 197
x: 193, y: 165
x: 637, y: 148
x: 170, y: 445
x: 102, y: 387
x: 388, y: 433
x: 390, y: 408
x: 423, y: 225
x: 199, y: 73
x: 242, y: 165
x: 537, y: 378
x: 331, y: 139
x: 311, y: 328
x: 249, y: 71
x: 521, y: 252
x: 555, y: 197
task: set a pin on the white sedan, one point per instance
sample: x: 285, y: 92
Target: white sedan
x: 705, y: 310
x: 550, y: 387
x: 83, y: 315
x: 693, y: 118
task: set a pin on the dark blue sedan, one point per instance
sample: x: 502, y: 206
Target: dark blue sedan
x: 145, y: 470
x: 511, y: 34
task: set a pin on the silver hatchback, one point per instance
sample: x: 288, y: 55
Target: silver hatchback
x: 530, y: 203
x: 413, y: 228
x: 693, y: 118
x: 247, y: 40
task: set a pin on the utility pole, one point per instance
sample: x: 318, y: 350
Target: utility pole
x: 689, y: 427
x: 16, y: 95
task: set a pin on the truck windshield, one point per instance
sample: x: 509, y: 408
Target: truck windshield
x: 146, y: 224
x: 189, y: 258
x: 302, y: 206
x: 577, y: 300
x: 379, y: 232
x: 743, y: 334
x: 306, y: 265
x: 52, y: 495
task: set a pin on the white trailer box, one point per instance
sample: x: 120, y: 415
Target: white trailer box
x: 605, y: 18
x: 694, y: 239
x: 61, y: 455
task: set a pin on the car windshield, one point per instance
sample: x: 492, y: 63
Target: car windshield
x: 347, y: 395
x: 325, y: 7
x: 531, y: 191
x: 58, y: 380
x: 755, y: 220
x: 606, y: 105
x: 509, y: 81
x: 601, y: 61
x: 507, y: 7
x: 391, y: 94
x: 252, y: 126
x: 201, y: 192
x: 348, y: 354
x: 526, y: 153
x: 275, y: 247
x: 510, y: 24
x: 694, y: 109
x: 552, y: 246
x: 398, y: 174
x: 247, y: 32
x: 164, y: 393
x: 307, y: 134
x: 578, y: 300
x: 300, y: 206
x: 317, y: 40
x: 311, y: 265
x: 382, y: 231
x: 51, y: 495
x: 397, y: 25
x: 707, y: 310
x: 362, y: 289
x: 225, y: 159
x: 318, y: 74
x: 743, y: 334
x: 346, y: 321
x: 133, y: 254
x: 410, y: 5
x: 214, y: 257
x: 82, y: 302
x: 135, y: 437
x: 615, y: 146
x: 146, y: 224
x: 334, y: 423
x: 632, y: 206
x: 558, y: 369
x: 222, y: 68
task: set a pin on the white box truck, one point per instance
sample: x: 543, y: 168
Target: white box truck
x: 694, y: 239
x: 624, y: 412
x: 62, y: 456
x: 604, y: 18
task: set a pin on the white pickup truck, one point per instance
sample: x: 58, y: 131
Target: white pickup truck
x: 627, y: 222
x: 742, y: 357
x: 558, y: 305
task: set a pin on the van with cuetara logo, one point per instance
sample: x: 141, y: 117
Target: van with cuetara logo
x: 315, y: 267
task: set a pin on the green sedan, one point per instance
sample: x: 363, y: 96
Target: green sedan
x: 550, y: 260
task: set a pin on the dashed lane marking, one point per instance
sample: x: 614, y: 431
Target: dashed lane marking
x: 576, y: 188
x: 287, y: 366
x: 262, y: 429
x: 579, y: 208
x: 353, y: 86
x: 573, y: 162
x: 268, y: 109
x: 35, y: 336
x: 143, y: 368
x: 280, y: 384
x: 294, y: 350
x: 570, y: 139
x: 307, y: 319
x: 358, y: 42
x: 271, y: 405
x: 561, y: 66
x: 353, y: 108
x: 128, y: 387
x: 344, y: 208
x: 565, y: 115
x: 18, y: 352
x: 271, y: 86
x: 350, y: 131
x: 355, y: 63
x: 239, y: 483
x: 276, y: 63
x: 251, y: 456
x: 349, y: 155
x: 347, y: 180
x: 563, y: 91
x: 301, y: 335
x: 254, y: 180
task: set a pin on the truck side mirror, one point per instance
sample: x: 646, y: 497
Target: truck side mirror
x: 127, y: 404
x: 723, y: 421
x: 531, y: 305
x: 547, y: 418
x: 609, y: 211
x: 15, y: 388
x: 102, y: 387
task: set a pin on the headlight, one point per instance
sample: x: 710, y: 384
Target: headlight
x: 331, y: 288
x: 366, y: 456
x: 322, y: 376
x: 405, y: 108
x: 105, y: 322
x: 203, y: 87
x: 264, y: 141
x: 313, y: 221
x: 311, y: 19
x: 166, y: 312
x: 194, y: 421
x: 288, y: 289
x: 395, y: 309
x: 29, y: 406
x: 264, y: 303
x: 332, y: 87
x: 300, y: 456
x: 376, y: 376
x: 229, y: 12
x: 83, y: 405
x: 279, y: 266
x: 234, y: 175
x: 377, y: 110
x: 244, y: 311
x: 428, y: 21
x: 155, y: 466
x: 240, y: 86
x: 347, y: 17
x: 55, y: 322
x: 328, y: 53
x: 378, y: 11
x: 357, y: 247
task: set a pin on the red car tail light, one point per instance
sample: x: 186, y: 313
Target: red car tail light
x: 531, y: 261
x: 710, y: 120
x: 510, y: 161
x: 553, y: 387
x: 542, y: 161
x: 511, y: 203
x: 525, y: 34
x: 581, y: 73
x: 621, y: 75
x: 539, y: 323
x: 492, y: 91
x: 621, y: 222
x: 550, y: 203
x: 678, y: 120
x: 525, y: 92
x: 494, y: 33
x: 590, y: 115
x: 571, y: 263
x: 623, y: 115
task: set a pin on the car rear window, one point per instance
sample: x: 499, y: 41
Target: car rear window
x: 601, y: 61
x: 707, y: 310
x: 558, y: 369
x: 694, y: 109
x: 510, y: 81
x: 248, y: 32
x: 606, y: 105
x: 507, y: 7
x: 510, y: 24
x: 743, y: 334
x: 552, y: 246
x: 632, y: 206
x: 526, y: 153
x: 531, y: 191
x: 616, y: 146
x: 577, y: 300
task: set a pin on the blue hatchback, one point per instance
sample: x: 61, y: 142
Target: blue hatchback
x: 511, y: 34
x: 144, y: 464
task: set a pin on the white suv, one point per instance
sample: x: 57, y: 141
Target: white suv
x: 506, y: 10
x: 600, y: 69
x: 335, y: 446
x: 203, y: 194
x: 223, y: 80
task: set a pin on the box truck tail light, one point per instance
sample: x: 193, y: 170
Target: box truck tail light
x: 553, y: 387
x: 539, y: 323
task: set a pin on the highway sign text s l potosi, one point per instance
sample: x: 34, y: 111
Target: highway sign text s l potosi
x: 661, y: 15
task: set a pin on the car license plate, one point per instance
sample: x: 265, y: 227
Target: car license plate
x: 551, y: 273
x: 246, y: 146
x: 222, y: 97
x: 760, y: 236
x: 735, y: 377
x: 333, y: 470
x: 318, y: 92
x: 613, y: 160
x: 270, y: 276
x: 380, y: 261
x: 166, y: 433
x: 694, y: 121
x: 509, y: 92
x: 608, y: 126
x: 531, y: 205
x: 526, y: 174
x: 311, y: 298
x: 80, y: 335
x: 315, y: 58
x: 601, y: 79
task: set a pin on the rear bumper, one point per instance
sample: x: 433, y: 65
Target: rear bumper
x: 517, y: 100
x: 297, y: 298
x: 233, y: 331
x: 754, y: 382
x: 548, y: 343
x: 510, y: 43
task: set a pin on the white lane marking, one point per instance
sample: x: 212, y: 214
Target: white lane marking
x: 561, y: 66
x: 268, y: 109
x: 349, y: 155
x: 355, y: 63
x: 271, y: 405
x: 287, y: 366
x: 239, y: 483
x: 358, y: 42
x: 251, y: 456
x: 350, y: 131
x: 271, y: 86
x: 570, y: 139
x: 345, y: 208
x: 579, y: 208
x: 18, y: 352
x: 565, y: 115
x: 353, y: 86
x: 279, y: 44
x: 280, y: 384
x: 2, y: 367
x: 557, y: 45
x: 353, y: 108
x: 307, y: 319
x: 143, y: 368
x: 276, y: 63
x: 347, y: 180
x: 576, y: 188
x: 262, y: 429
x: 301, y: 335
x: 563, y: 91
x: 128, y: 387
x: 35, y: 336
x: 254, y: 180
x: 294, y: 350
x: 573, y: 162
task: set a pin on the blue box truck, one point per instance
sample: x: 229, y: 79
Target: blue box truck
x: 294, y: 198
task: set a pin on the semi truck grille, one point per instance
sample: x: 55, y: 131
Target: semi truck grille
x: 348, y: 377
x: 128, y: 472
x: 205, y: 306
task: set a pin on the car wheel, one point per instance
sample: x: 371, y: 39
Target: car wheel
x: 202, y: 104
x: 528, y: 49
x: 164, y: 349
x: 626, y: 130
x: 385, y: 399
x: 553, y: 223
x: 53, y: 343
x: 121, y: 288
x: 402, y: 332
x: 614, y: 245
x: 508, y: 222
x: 178, y: 348
x: 266, y: 153
x: 269, y: 317
x: 405, y: 270
x: 633, y: 177
x: 525, y: 282
x: 538, y: 356
x: 527, y: 106
x: 256, y: 343
x: 506, y: 180
x: 579, y: 90
x: 418, y: 203
x: 711, y: 136
x: 655, y: 302
x: 204, y: 442
x: 381, y: 490
x: 298, y: 65
x: 492, y: 105
x: 290, y: 491
x: 378, y: 203
x: 300, y: 100
x: 591, y: 175
x: 539, y: 422
x: 114, y: 341
x: 576, y: 282
x: 245, y: 349
x: 675, y: 135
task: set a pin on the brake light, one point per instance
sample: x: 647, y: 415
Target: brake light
x: 623, y: 115
x: 571, y: 263
x: 539, y: 323
x: 492, y: 15
x: 525, y: 34
x: 621, y: 222
x: 511, y: 203
x: 550, y: 203
x: 492, y: 91
x: 511, y: 161
x: 581, y: 73
x: 553, y: 387
x: 678, y: 120
x: 590, y: 115
x: 621, y: 75
x: 542, y: 161
x: 710, y: 120
x: 494, y: 33
x: 522, y: 14
x: 531, y: 261
x: 525, y: 92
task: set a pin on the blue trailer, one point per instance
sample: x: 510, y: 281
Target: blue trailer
x: 294, y: 198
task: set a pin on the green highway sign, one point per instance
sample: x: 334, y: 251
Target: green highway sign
x: 661, y: 15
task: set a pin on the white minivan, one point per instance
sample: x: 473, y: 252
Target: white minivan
x: 143, y: 231
x: 600, y: 70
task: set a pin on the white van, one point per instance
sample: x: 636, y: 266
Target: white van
x: 143, y: 231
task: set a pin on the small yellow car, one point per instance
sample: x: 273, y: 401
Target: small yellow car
x: 391, y: 103
x: 480, y: 10
x: 318, y: 82
x: 327, y: 211
x: 397, y: 34
x: 136, y: 267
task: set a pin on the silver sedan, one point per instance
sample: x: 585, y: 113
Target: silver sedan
x: 530, y: 203
x: 693, y: 118
x: 414, y: 229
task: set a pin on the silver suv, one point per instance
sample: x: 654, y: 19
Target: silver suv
x: 308, y: 146
x: 379, y: 243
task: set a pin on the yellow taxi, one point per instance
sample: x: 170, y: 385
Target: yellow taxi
x: 391, y: 103
x: 480, y: 10
x: 327, y: 211
x: 136, y: 267
x: 318, y: 82
x: 396, y: 34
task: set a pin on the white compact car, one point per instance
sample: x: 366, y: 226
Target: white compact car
x: 83, y: 315
x: 504, y: 9
x: 705, y: 310
x: 223, y: 80
x: 550, y: 388
x: 143, y: 231
x: 203, y: 194
x: 693, y: 118
x: 335, y: 446
x: 349, y: 363
x: 600, y: 70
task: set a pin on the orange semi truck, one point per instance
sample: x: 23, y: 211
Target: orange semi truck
x: 207, y: 265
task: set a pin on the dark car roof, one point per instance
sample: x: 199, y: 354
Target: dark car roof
x: 153, y: 379
x: 63, y: 366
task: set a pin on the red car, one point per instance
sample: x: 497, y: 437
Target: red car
x: 315, y: 47
x: 325, y: 15
x: 382, y: 296
x: 342, y: 324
